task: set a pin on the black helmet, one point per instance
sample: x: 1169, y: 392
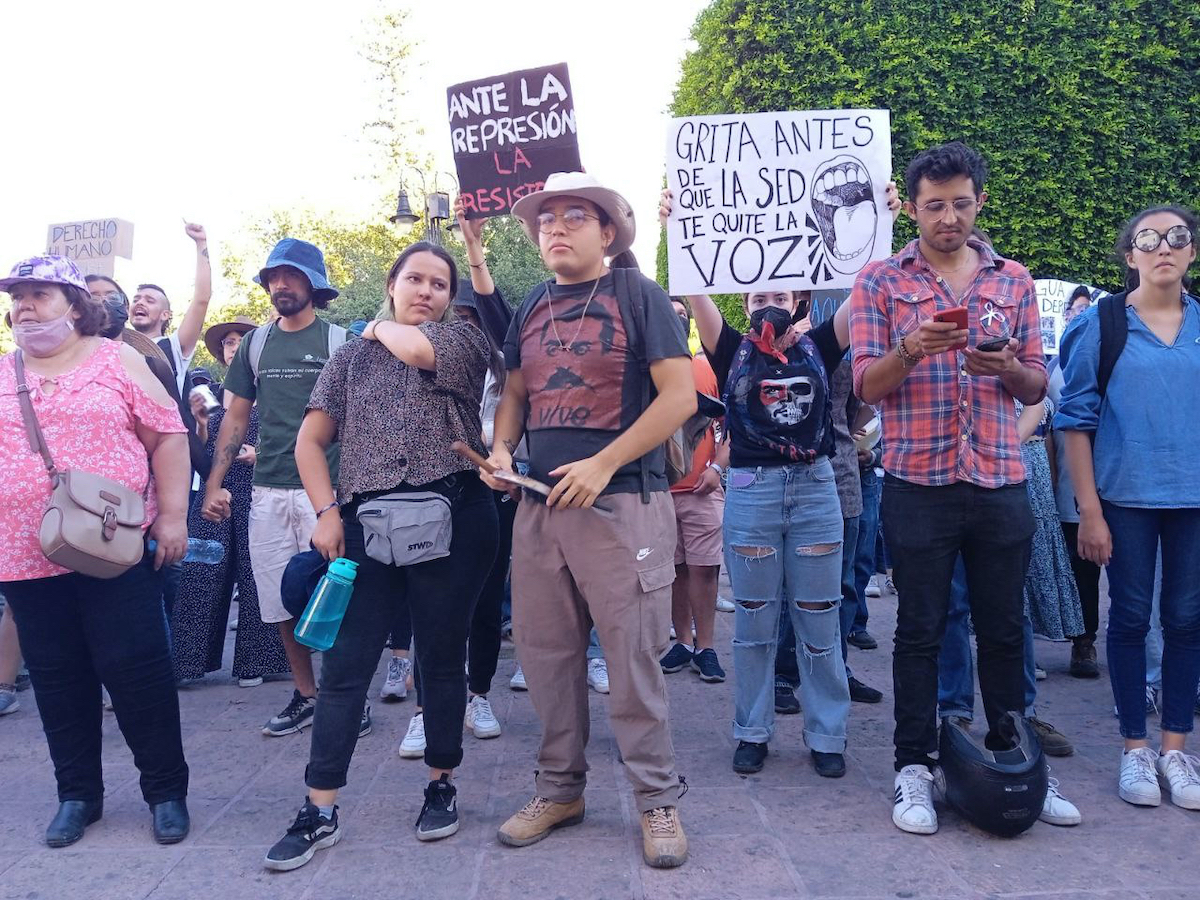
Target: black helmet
x: 1000, y: 791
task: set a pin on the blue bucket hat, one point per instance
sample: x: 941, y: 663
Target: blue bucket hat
x: 303, y: 256
x: 300, y: 579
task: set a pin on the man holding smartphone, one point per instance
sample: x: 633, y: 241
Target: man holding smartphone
x: 945, y: 334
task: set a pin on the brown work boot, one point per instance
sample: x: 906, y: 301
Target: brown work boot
x: 539, y: 817
x: 664, y: 845
x: 1083, y: 658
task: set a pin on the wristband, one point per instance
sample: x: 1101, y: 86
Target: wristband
x: 327, y: 507
x: 720, y: 469
x: 908, y: 360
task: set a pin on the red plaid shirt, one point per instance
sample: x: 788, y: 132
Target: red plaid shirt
x: 942, y: 425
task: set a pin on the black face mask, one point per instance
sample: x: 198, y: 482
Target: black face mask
x: 778, y: 318
x: 118, y: 315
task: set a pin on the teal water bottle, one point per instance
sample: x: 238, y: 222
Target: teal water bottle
x: 318, y: 627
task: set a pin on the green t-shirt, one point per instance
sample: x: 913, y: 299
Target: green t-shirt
x: 288, y: 369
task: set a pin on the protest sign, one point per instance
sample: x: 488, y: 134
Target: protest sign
x: 92, y: 244
x: 509, y: 133
x: 1052, y: 296
x: 777, y: 201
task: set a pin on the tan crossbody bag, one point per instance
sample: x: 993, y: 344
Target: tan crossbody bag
x: 92, y: 525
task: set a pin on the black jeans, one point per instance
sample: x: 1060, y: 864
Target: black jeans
x: 441, y: 595
x: 1087, y: 578
x: 926, y: 529
x: 483, y: 650
x: 78, y: 633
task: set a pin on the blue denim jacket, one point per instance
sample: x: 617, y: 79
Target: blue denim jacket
x: 1145, y: 451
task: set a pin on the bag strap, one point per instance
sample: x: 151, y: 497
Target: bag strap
x: 631, y: 300
x: 37, y: 440
x: 337, y: 336
x: 1114, y: 331
x: 258, y: 340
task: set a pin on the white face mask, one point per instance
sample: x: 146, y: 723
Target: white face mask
x: 44, y: 338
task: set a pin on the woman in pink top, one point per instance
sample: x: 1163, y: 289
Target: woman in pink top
x: 102, y: 411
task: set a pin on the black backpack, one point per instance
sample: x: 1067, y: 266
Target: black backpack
x: 1114, y: 332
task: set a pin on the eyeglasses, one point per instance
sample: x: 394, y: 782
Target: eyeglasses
x: 108, y: 295
x: 937, y: 208
x: 231, y: 341
x: 1177, y: 237
x: 572, y: 218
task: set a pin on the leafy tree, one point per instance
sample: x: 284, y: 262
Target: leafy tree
x: 1084, y: 109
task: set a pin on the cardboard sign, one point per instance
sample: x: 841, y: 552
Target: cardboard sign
x: 777, y: 201
x: 509, y: 134
x: 93, y: 244
x: 1052, y: 296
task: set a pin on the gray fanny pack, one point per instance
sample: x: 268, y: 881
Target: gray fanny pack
x: 403, y: 529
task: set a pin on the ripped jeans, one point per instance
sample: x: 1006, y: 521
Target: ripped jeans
x: 783, y: 539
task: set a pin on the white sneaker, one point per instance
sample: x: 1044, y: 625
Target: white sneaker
x: 1138, y: 784
x: 250, y: 682
x: 517, y: 682
x: 873, y: 589
x: 480, y: 720
x: 598, y: 675
x: 913, y: 810
x: 1179, y: 771
x: 724, y: 605
x: 413, y: 745
x: 1039, y: 674
x: 395, y: 687
x: 1057, y: 809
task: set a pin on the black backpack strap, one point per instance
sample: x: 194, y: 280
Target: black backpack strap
x: 631, y: 300
x: 1114, y: 331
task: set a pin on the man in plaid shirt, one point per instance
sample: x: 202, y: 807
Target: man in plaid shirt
x: 954, y: 478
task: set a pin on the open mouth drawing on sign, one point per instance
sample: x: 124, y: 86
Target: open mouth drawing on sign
x: 844, y: 203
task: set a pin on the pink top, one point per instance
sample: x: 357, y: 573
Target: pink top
x: 89, y: 424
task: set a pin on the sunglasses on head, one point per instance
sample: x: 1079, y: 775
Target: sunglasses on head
x: 573, y: 218
x: 1177, y: 237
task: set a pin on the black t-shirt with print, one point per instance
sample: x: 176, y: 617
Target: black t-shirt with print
x: 583, y: 379
x: 778, y: 413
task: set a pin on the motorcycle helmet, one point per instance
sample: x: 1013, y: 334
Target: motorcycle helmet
x: 1000, y: 791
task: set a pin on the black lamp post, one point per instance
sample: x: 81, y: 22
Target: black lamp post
x: 437, y: 211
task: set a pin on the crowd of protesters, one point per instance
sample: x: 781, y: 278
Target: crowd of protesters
x: 899, y: 446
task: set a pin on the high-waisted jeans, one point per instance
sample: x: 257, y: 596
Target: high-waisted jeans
x: 783, y: 539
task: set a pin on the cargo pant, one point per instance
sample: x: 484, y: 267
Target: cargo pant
x: 575, y: 568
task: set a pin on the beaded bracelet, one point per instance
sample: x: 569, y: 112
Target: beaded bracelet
x: 907, y: 359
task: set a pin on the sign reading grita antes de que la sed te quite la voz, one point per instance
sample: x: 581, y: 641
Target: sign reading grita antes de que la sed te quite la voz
x: 777, y: 200
x: 509, y: 133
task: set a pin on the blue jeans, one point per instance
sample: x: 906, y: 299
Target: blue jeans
x: 956, y: 668
x: 783, y: 539
x: 1136, y: 534
x: 868, y: 539
x: 1154, y: 640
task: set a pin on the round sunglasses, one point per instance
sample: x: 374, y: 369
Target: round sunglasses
x: 1177, y: 237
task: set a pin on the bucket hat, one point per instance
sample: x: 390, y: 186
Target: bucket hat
x: 300, y: 578
x: 584, y: 186
x: 303, y: 256
x: 48, y: 269
x: 216, y: 334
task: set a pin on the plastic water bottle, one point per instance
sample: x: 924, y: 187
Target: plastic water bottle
x: 318, y: 626
x: 198, y: 551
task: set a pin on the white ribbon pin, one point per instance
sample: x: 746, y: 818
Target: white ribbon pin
x: 990, y: 313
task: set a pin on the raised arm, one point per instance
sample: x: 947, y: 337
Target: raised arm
x: 193, y: 319
x: 709, y: 320
x: 472, y: 233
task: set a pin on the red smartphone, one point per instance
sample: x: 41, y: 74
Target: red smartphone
x: 957, y: 316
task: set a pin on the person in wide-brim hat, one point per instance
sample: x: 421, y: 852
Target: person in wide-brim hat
x: 216, y: 334
x: 579, y: 184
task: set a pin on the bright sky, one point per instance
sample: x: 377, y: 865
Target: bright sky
x: 221, y: 110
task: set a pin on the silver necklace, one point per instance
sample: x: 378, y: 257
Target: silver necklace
x: 582, y: 317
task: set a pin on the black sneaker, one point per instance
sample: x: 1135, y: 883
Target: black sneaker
x: 786, y: 703
x: 676, y: 659
x: 861, y: 693
x: 296, y: 715
x: 439, y: 815
x: 829, y: 765
x: 309, y: 833
x: 705, y: 663
x: 364, y: 726
x: 863, y: 640
x: 749, y: 757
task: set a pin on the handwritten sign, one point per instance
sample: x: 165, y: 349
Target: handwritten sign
x: 509, y: 134
x: 1052, y: 296
x: 93, y: 244
x: 777, y: 201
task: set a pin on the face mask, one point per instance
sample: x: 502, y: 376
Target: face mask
x: 44, y: 338
x: 118, y: 315
x: 778, y: 318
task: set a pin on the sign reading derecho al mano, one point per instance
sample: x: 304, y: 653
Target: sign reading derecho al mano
x: 780, y: 200
x: 92, y: 244
x: 509, y: 132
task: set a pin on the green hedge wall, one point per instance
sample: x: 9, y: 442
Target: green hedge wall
x: 1086, y: 110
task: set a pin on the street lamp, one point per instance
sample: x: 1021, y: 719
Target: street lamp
x: 437, y: 209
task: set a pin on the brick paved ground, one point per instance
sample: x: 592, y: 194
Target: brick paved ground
x: 782, y: 833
